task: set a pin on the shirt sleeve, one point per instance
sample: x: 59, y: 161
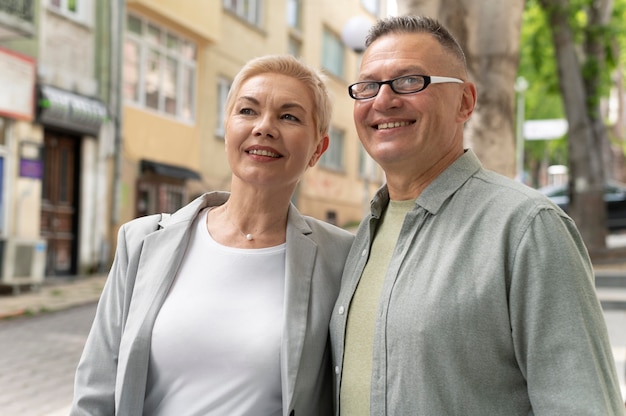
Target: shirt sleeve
x: 558, y: 327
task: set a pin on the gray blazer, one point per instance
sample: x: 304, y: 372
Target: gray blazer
x: 112, y: 372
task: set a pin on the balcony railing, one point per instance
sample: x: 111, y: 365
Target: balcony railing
x: 21, y: 9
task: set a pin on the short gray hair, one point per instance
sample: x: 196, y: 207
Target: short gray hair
x: 417, y: 24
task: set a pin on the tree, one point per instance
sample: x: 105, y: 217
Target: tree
x: 579, y: 38
x: 543, y: 97
x: 489, y: 32
x: 580, y: 31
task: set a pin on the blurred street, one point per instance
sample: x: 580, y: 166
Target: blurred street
x: 38, y: 357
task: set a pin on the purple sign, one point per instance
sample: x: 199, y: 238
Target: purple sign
x: 30, y: 168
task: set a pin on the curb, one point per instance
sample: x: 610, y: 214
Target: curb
x: 52, y: 296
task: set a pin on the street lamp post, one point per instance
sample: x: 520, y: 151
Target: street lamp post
x: 354, y: 33
x: 521, y: 85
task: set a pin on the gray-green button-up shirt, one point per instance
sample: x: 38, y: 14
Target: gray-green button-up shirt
x: 488, y: 306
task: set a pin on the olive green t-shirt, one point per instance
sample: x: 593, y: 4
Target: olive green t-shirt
x: 357, y: 369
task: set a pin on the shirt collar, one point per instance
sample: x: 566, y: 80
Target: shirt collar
x: 439, y: 190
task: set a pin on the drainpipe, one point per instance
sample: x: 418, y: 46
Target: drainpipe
x: 118, y: 13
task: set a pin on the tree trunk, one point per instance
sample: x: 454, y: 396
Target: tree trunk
x: 586, y: 134
x: 489, y: 33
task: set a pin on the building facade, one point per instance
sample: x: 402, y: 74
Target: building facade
x: 52, y: 160
x: 179, y: 61
x: 110, y: 110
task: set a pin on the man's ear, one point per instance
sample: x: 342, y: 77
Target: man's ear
x: 319, y: 150
x: 468, y: 102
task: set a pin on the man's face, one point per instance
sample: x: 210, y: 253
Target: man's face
x: 405, y: 129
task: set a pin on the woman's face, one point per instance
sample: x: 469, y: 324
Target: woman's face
x: 271, y: 136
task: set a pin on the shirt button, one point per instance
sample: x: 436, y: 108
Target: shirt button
x: 341, y: 310
x: 364, y: 253
x: 337, y: 369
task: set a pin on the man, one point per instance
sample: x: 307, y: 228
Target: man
x: 465, y: 292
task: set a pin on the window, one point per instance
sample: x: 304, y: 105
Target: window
x: 223, y: 86
x: 333, y: 157
x: 74, y: 9
x: 159, y: 69
x: 332, y: 53
x: 155, y: 196
x: 294, y: 46
x: 248, y: 10
x: 367, y: 166
x: 372, y: 6
x: 294, y: 14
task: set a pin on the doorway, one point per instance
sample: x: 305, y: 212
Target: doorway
x: 59, y: 206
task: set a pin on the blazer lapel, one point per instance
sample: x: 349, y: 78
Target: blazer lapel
x: 161, y: 255
x: 300, y: 259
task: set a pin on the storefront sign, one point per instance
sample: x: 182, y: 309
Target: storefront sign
x: 31, y: 159
x: 17, y: 85
x: 31, y: 168
x: 60, y: 108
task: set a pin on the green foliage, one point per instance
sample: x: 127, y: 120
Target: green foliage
x: 543, y: 97
x: 617, y: 32
x: 538, y: 65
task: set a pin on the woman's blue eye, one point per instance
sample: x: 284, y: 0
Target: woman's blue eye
x: 291, y: 117
x: 246, y: 111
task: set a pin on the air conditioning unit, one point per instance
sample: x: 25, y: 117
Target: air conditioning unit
x: 22, y: 262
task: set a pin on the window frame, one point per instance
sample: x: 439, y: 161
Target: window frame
x: 83, y: 13
x: 333, y: 53
x: 293, y: 11
x: 250, y: 11
x: 182, y: 91
x: 333, y: 157
x: 223, y: 87
x: 367, y: 166
x: 156, y: 194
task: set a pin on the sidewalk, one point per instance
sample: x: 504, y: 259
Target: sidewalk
x: 55, y: 294
x: 62, y: 293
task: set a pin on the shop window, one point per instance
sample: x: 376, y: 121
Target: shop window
x: 155, y: 196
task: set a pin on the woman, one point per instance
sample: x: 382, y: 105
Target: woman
x: 225, y: 309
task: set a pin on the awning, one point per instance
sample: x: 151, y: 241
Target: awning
x: 60, y: 108
x: 171, y: 171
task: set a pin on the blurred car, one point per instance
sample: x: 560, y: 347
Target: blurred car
x: 614, y: 196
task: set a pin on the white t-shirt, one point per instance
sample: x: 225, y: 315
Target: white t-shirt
x: 216, y: 340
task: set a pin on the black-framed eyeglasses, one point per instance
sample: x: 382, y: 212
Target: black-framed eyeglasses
x: 407, y: 84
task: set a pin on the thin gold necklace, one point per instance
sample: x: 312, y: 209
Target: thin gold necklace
x: 247, y: 236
